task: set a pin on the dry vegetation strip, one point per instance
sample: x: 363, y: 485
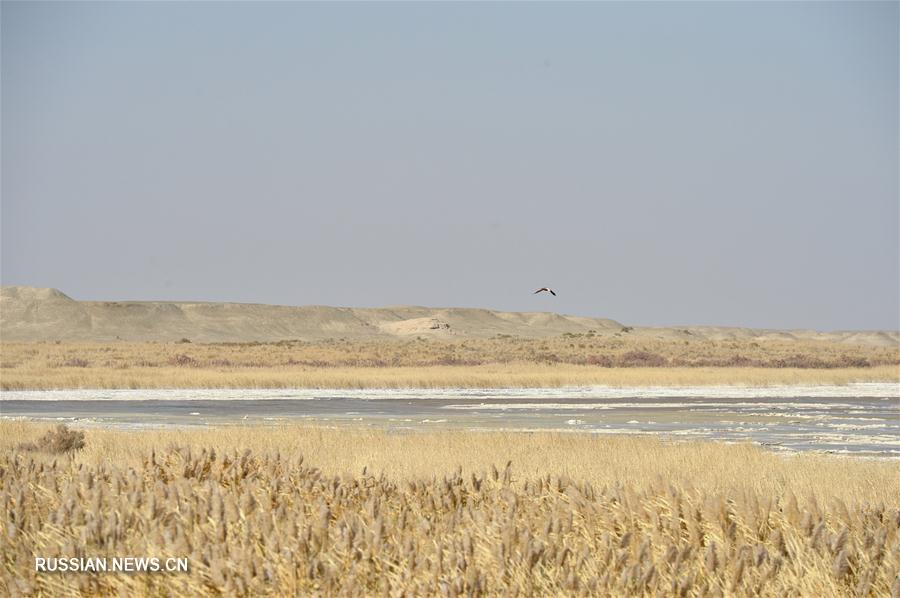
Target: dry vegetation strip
x: 501, y: 362
x: 489, y: 376
x: 431, y: 515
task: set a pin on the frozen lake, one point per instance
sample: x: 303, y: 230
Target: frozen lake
x: 860, y: 419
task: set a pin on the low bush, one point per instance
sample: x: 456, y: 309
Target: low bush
x: 642, y: 359
x: 76, y: 363
x: 604, y: 361
x: 183, y: 360
x: 58, y: 441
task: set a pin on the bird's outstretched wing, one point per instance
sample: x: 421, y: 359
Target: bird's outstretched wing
x: 551, y: 292
x: 542, y: 289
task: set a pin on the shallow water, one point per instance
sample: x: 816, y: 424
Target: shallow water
x: 858, y: 419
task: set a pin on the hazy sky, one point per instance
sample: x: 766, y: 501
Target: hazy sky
x: 677, y: 163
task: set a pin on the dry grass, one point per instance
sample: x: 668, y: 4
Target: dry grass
x: 432, y: 515
x: 503, y: 362
x: 610, y: 350
x: 489, y: 376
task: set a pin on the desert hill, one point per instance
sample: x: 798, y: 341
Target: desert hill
x: 29, y: 314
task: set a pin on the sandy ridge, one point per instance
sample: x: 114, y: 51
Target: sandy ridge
x: 36, y: 314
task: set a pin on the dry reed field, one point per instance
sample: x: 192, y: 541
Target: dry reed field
x: 567, y: 360
x: 314, y: 511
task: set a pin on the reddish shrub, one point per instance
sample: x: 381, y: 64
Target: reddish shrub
x: 603, y: 361
x: 76, y: 363
x: 183, y: 360
x: 646, y: 359
x: 846, y: 361
x: 800, y: 361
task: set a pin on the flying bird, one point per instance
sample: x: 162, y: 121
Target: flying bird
x: 542, y: 289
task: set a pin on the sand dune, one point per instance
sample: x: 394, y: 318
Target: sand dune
x: 29, y: 314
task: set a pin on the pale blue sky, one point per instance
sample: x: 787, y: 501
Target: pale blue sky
x: 676, y: 163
